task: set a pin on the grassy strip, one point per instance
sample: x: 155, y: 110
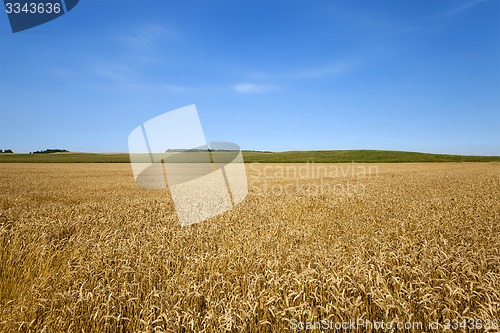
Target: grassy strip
x: 65, y: 158
x: 365, y: 156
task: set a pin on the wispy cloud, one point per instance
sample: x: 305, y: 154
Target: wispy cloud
x: 305, y: 73
x: 319, y: 72
x: 147, y: 36
x: 459, y: 9
x: 110, y: 72
x: 308, y: 73
x: 157, y: 87
x: 137, y: 50
x: 254, y: 88
x: 435, y: 22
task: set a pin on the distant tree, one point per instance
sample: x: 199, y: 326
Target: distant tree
x: 48, y: 151
x: 8, y: 151
x: 1, y: 151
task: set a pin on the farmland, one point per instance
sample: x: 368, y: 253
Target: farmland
x: 317, y: 156
x: 83, y: 249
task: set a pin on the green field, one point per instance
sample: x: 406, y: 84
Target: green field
x: 320, y: 156
x: 364, y: 156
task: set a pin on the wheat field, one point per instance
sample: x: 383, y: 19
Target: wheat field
x: 83, y: 249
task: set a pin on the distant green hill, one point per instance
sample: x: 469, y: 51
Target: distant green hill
x: 318, y: 156
x: 366, y: 156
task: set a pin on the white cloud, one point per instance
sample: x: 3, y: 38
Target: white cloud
x: 306, y: 73
x: 174, y: 88
x: 296, y: 75
x: 150, y: 87
x: 254, y: 88
x: 465, y: 6
x: 320, y: 72
x: 110, y: 72
x: 147, y: 36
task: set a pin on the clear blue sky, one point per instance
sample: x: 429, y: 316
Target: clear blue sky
x: 267, y: 75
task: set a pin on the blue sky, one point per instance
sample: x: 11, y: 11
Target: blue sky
x: 267, y: 75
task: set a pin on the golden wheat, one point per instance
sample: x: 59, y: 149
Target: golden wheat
x: 83, y: 249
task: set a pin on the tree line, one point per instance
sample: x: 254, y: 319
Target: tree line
x: 48, y: 151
